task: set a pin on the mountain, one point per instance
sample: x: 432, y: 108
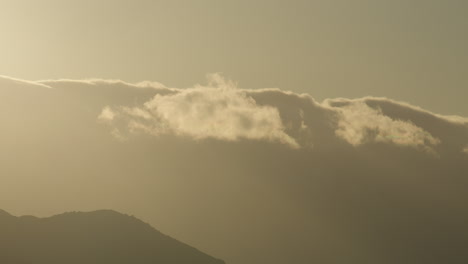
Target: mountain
x: 99, y: 237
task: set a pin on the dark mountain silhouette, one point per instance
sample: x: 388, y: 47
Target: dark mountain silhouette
x: 99, y: 237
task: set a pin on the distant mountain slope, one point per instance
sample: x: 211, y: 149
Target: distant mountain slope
x: 100, y: 237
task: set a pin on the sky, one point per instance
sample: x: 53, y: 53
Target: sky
x: 256, y: 131
x: 413, y: 51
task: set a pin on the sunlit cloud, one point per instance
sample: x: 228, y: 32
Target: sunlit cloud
x: 360, y: 124
x: 219, y: 110
x: 107, y: 114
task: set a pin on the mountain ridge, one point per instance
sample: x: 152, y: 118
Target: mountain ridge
x: 103, y: 236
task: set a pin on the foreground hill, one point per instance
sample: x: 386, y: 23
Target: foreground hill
x: 87, y: 238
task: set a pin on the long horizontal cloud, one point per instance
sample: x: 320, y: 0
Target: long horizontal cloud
x: 220, y: 110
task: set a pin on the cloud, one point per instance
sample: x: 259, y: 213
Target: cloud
x: 98, y: 82
x: 359, y: 124
x: 220, y: 111
x: 107, y: 114
x: 8, y: 81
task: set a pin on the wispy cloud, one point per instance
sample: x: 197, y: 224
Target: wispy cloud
x: 107, y: 114
x: 9, y: 80
x: 361, y: 124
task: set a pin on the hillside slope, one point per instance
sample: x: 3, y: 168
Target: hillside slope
x: 97, y: 237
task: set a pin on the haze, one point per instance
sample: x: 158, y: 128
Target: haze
x: 256, y: 131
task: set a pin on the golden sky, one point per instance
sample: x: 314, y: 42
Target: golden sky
x: 358, y: 156
x: 412, y: 50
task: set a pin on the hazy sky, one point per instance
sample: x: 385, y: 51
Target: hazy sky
x: 412, y: 50
x: 246, y: 174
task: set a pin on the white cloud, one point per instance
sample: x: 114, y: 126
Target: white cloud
x: 219, y: 111
x: 98, y: 82
x: 5, y: 81
x: 107, y: 114
x: 360, y: 124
